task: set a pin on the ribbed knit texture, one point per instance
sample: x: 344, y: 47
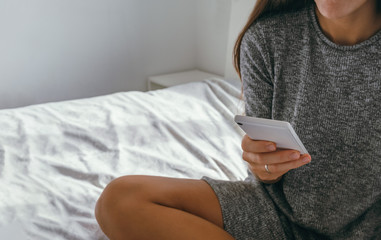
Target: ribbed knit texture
x: 331, y: 95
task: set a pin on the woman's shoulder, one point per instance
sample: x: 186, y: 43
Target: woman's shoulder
x: 278, y: 24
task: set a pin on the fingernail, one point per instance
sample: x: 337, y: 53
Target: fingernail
x: 271, y: 147
x: 306, y: 160
x: 294, y: 156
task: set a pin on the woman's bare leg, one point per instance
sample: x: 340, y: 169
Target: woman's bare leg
x: 144, y: 207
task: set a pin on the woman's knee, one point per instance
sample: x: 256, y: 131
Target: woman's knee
x: 120, y: 198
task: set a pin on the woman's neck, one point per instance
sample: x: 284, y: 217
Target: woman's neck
x: 353, y: 28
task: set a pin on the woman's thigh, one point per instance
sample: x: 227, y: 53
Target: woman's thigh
x: 192, y: 196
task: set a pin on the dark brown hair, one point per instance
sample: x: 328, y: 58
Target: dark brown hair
x: 263, y: 7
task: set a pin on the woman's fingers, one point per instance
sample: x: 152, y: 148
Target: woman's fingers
x: 268, y: 163
x: 282, y: 167
x: 277, y: 170
x: 250, y: 145
x: 279, y: 156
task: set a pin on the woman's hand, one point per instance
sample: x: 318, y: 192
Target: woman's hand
x: 267, y: 162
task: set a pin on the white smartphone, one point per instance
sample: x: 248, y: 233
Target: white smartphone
x: 279, y: 132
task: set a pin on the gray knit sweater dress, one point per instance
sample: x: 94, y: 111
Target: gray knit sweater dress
x: 331, y: 95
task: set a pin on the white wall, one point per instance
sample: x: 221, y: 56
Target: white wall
x: 213, y: 18
x: 52, y: 50
x: 240, y: 12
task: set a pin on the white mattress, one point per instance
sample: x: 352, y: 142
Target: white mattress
x: 55, y: 159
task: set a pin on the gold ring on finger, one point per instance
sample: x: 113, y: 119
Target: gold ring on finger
x: 267, y: 169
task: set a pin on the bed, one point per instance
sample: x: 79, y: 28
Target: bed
x: 56, y: 158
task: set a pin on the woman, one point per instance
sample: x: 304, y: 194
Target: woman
x: 316, y: 64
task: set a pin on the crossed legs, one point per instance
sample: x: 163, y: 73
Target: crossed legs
x: 145, y: 207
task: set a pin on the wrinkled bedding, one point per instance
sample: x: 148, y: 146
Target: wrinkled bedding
x: 56, y: 158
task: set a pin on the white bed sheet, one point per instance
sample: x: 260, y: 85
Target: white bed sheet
x: 56, y: 158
